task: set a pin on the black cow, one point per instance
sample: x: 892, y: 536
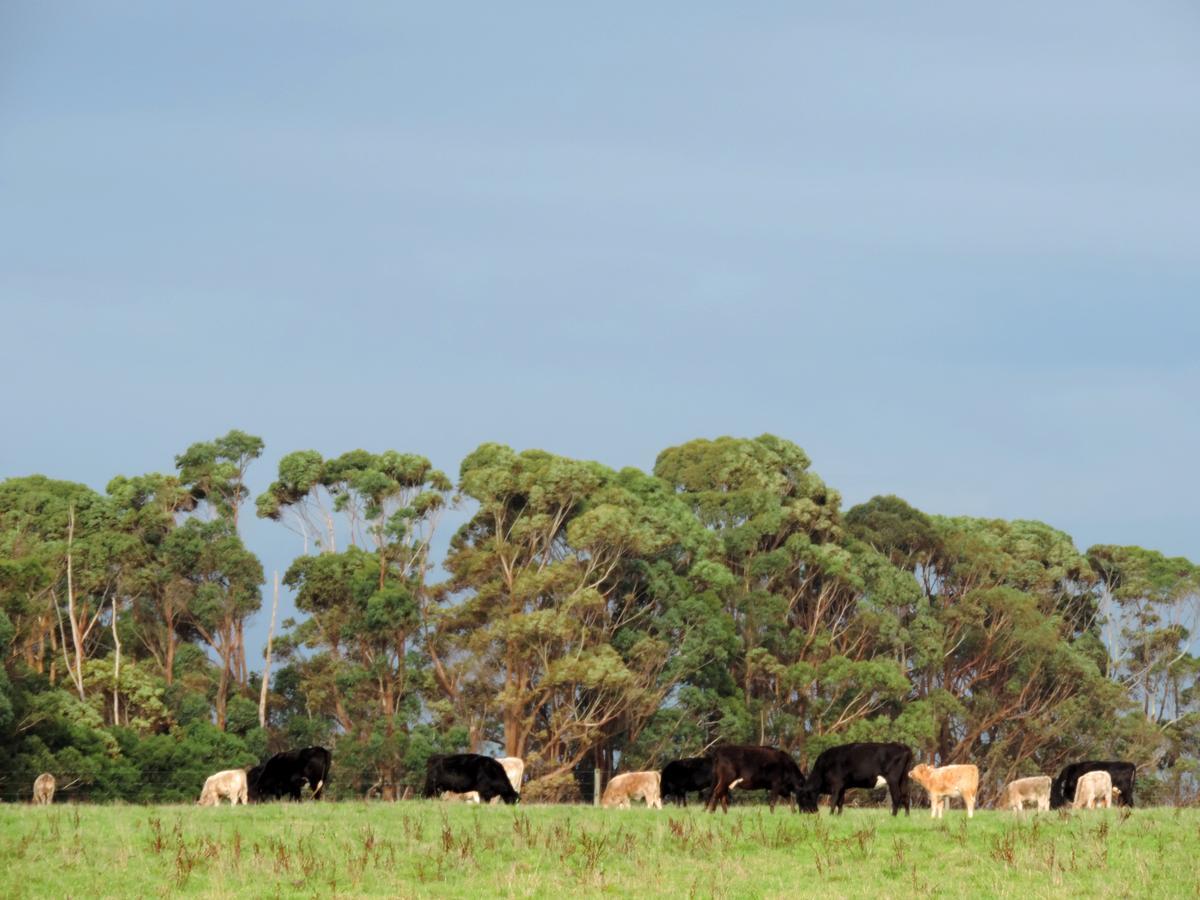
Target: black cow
x: 694, y: 773
x: 462, y: 772
x: 286, y: 773
x: 858, y: 766
x: 1062, y: 789
x: 753, y: 768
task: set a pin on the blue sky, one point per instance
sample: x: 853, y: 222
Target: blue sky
x: 952, y: 252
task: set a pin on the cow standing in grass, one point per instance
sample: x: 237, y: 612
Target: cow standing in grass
x: 1091, y: 787
x: 682, y: 775
x: 633, y: 786
x: 945, y: 782
x: 861, y: 765
x: 286, y: 774
x: 43, y: 789
x: 231, y: 783
x: 754, y: 768
x: 1017, y: 793
x: 468, y: 772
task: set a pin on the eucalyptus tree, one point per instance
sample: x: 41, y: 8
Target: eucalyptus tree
x: 363, y: 604
x: 221, y: 580
x: 792, y: 584
x: 562, y: 582
x: 215, y: 472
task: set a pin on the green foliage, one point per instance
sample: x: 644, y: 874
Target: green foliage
x: 588, y: 616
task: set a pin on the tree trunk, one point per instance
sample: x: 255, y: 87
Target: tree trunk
x: 266, y: 675
x: 116, y: 665
x: 72, y: 613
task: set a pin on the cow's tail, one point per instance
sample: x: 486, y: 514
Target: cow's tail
x: 317, y: 789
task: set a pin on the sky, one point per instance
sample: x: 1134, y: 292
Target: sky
x: 952, y: 250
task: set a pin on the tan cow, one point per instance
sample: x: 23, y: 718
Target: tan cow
x: 1092, y: 787
x: 231, y: 783
x: 633, y: 786
x: 945, y: 782
x: 1035, y: 788
x: 43, y: 790
x: 464, y: 797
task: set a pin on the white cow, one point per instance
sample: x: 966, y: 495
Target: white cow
x: 1092, y: 787
x: 43, y: 789
x: 231, y: 783
x: 633, y: 786
x: 1035, y: 788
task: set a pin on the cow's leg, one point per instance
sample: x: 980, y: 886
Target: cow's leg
x: 837, y: 794
x: 969, y: 799
x: 894, y: 790
x: 714, y: 797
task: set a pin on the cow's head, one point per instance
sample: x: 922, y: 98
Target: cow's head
x: 807, y: 797
x: 920, y: 774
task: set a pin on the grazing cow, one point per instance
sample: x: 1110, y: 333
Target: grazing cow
x: 514, y: 768
x: 231, y: 783
x: 43, y: 789
x: 633, y: 786
x: 1016, y: 793
x: 1092, y: 786
x: 754, y: 768
x: 288, y: 772
x: 1063, y: 789
x: 466, y: 772
x: 693, y: 773
x: 945, y: 782
x: 862, y: 765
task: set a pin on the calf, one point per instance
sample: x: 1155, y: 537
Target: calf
x: 1092, y: 786
x: 633, y: 786
x: 466, y: 772
x: 754, y: 768
x: 682, y: 775
x: 945, y: 782
x: 1017, y: 793
x: 231, y: 783
x: 288, y: 772
x: 861, y: 765
x: 1122, y: 774
x: 43, y: 789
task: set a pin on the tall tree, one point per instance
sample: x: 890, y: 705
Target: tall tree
x: 364, y: 602
x: 222, y: 579
x: 792, y: 585
x: 558, y: 629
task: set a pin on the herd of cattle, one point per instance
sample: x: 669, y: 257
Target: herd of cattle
x: 474, y: 778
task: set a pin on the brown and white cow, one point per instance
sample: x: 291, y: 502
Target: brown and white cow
x: 633, y: 786
x: 1092, y: 787
x: 1035, y: 788
x: 43, y: 789
x: 231, y: 783
x: 945, y: 782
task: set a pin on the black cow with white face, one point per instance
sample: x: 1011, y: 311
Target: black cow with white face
x: 861, y: 765
x: 285, y: 774
x: 464, y: 772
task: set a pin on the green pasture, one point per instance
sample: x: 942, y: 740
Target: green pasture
x: 430, y: 849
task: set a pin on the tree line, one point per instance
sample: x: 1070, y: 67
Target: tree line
x: 582, y: 617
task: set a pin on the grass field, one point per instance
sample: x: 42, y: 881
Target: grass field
x: 417, y: 849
